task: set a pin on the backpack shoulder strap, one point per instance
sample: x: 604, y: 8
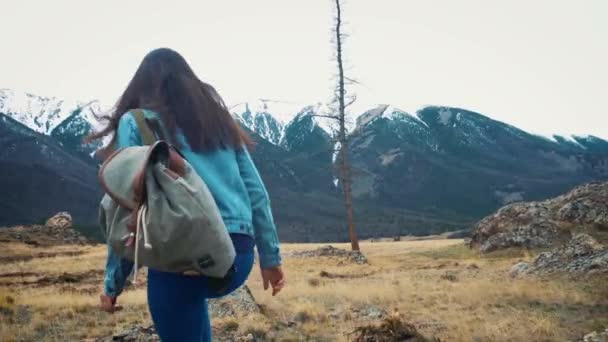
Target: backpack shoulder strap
x: 147, y: 135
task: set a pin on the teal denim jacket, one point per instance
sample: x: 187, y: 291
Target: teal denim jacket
x: 236, y: 186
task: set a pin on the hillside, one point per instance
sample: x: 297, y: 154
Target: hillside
x: 40, y: 178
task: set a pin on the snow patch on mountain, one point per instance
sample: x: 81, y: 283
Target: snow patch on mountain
x: 336, y: 152
x: 318, y: 115
x: 567, y: 139
x: 282, y: 111
x: 395, y: 113
x: 41, y: 114
x: 371, y: 115
x: 387, y: 112
x: 329, y: 125
x: 259, y: 120
x: 445, y: 114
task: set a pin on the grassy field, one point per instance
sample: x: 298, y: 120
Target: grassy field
x: 440, y: 286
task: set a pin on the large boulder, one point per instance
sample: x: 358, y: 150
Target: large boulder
x: 60, y: 221
x: 543, y: 224
x: 581, y: 255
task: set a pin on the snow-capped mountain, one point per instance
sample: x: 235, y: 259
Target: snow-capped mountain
x: 281, y: 123
x: 387, y: 112
x: 272, y: 119
x: 431, y: 170
x: 257, y: 118
x: 66, y: 121
x: 452, y: 158
x: 44, y: 114
x: 308, y: 131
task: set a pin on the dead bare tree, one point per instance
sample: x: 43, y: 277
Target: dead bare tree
x: 339, y: 114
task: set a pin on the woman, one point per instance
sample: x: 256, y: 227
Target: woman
x: 195, y: 119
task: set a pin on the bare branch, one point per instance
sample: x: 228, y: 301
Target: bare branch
x: 352, y: 80
x: 351, y: 100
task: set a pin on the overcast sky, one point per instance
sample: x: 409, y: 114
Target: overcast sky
x: 541, y: 65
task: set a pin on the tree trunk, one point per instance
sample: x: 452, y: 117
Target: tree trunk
x: 345, y: 167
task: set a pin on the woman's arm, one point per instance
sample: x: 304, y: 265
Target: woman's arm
x: 117, y: 268
x: 267, y: 240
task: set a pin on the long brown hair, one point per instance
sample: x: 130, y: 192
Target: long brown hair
x: 165, y: 83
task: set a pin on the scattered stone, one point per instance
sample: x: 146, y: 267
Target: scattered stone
x: 137, y: 334
x: 324, y: 274
x: 247, y: 338
x: 392, y: 328
x: 595, y: 337
x: 472, y: 267
x: 450, y: 276
x: 302, y: 317
x: 291, y: 324
x: 430, y: 325
x: 332, y: 252
x: 358, y: 258
x: 519, y: 269
x: 314, y: 282
x: 336, y: 314
x: 373, y: 312
x: 543, y: 224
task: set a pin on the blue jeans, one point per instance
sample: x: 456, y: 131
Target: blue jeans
x: 178, y: 303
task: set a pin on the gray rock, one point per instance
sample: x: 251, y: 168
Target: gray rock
x: 519, y: 269
x: 241, y: 301
x: 450, y: 276
x: 302, y: 317
x: 373, y: 312
x: 61, y: 221
x: 581, y: 255
x: 596, y: 337
x: 137, y: 334
x: 332, y: 252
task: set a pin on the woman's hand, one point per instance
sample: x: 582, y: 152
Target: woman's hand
x: 108, y: 304
x: 274, y: 277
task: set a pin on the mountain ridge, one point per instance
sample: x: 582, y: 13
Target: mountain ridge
x: 266, y: 117
x: 440, y: 168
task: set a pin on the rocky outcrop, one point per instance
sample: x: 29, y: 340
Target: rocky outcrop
x: 57, y: 230
x: 239, y: 302
x: 332, y: 252
x: 543, y: 224
x: 581, y: 255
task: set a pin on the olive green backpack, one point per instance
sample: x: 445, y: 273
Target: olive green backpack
x: 158, y: 212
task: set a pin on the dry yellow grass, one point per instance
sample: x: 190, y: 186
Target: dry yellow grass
x: 481, y: 302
